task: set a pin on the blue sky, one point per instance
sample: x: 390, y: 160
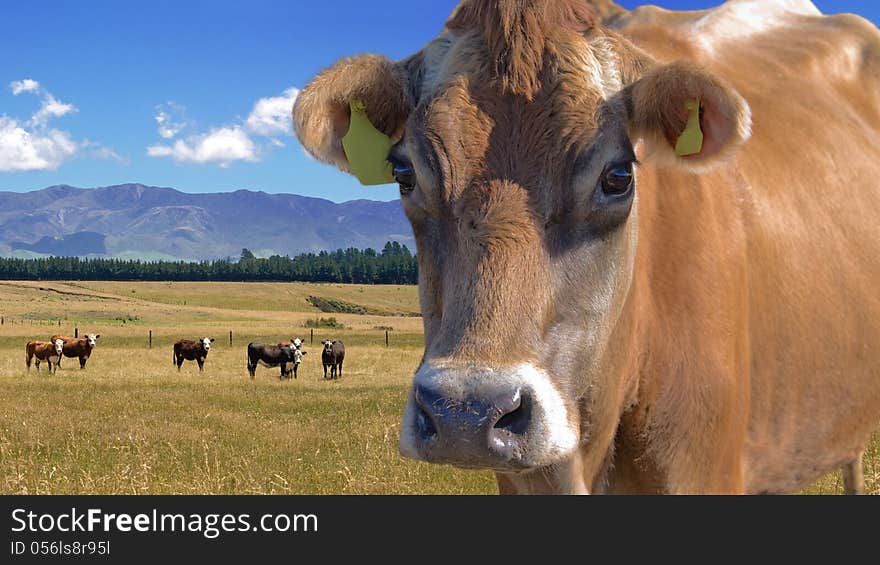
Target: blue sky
x: 94, y: 78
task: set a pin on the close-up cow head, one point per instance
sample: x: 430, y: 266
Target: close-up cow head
x: 206, y: 342
x: 59, y: 346
x: 516, y: 137
x: 93, y: 339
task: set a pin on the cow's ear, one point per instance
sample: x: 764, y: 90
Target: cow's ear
x: 97, y: 336
x: 687, y: 116
x: 212, y: 339
x: 322, y: 111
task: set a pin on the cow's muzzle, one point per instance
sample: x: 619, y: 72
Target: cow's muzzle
x: 502, y: 419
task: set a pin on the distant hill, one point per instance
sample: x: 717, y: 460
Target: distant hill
x: 80, y: 243
x: 137, y: 221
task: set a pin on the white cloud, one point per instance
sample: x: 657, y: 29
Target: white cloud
x: 26, y: 85
x: 271, y: 116
x: 159, y: 151
x: 33, y: 145
x: 23, y: 150
x: 170, y: 117
x: 220, y: 145
x: 51, y: 108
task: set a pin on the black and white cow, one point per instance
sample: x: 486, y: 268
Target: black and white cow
x: 331, y: 357
x: 287, y: 357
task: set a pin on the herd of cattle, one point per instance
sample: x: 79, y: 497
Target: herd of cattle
x: 288, y: 355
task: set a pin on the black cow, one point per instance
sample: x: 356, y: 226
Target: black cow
x: 287, y: 357
x: 331, y: 357
x: 189, y: 350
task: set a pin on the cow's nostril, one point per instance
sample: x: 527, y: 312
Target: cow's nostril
x: 517, y: 417
x: 425, y: 424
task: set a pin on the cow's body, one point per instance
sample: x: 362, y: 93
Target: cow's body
x: 286, y: 357
x: 81, y: 348
x: 332, y: 357
x: 728, y: 326
x: 48, y: 351
x: 753, y: 319
x: 192, y: 350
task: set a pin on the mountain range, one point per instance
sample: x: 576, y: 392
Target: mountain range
x: 148, y: 222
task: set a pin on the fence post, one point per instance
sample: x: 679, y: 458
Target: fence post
x: 151, y: 339
x: 386, y: 338
x: 311, y: 336
x: 75, y: 332
x: 230, y: 338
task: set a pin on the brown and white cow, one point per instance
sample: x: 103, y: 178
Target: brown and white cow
x: 294, y: 342
x: 699, y: 323
x: 80, y: 348
x: 192, y: 350
x: 48, y: 351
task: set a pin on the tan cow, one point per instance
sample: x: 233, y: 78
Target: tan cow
x: 602, y: 312
x: 48, y: 351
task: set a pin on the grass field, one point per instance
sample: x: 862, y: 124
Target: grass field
x: 130, y: 423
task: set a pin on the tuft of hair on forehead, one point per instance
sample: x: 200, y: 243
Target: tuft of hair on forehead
x: 516, y: 33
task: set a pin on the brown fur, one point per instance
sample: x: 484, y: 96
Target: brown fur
x: 190, y: 350
x: 42, y: 351
x: 75, y: 347
x: 607, y: 10
x: 721, y: 332
x: 515, y: 33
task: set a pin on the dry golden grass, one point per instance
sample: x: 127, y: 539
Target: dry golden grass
x: 130, y: 423
x: 290, y: 297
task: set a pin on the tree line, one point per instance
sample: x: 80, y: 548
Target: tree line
x: 393, y: 265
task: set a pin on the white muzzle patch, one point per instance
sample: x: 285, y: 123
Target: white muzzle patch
x: 551, y: 435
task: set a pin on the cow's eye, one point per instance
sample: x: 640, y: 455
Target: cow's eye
x: 403, y: 174
x: 618, y: 180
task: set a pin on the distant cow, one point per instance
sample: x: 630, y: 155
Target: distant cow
x: 48, y: 351
x: 285, y: 356
x: 331, y: 357
x: 296, y: 345
x: 78, y: 347
x: 189, y: 350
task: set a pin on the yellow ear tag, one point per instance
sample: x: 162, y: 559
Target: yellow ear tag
x: 367, y: 148
x: 690, y: 142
